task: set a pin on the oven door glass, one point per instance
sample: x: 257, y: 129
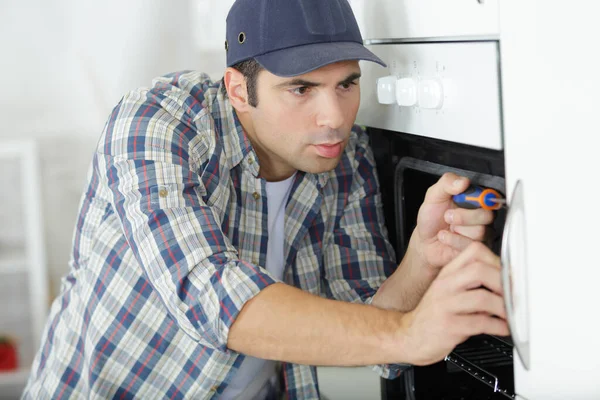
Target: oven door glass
x: 482, y: 367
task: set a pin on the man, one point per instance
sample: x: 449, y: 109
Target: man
x: 228, y: 226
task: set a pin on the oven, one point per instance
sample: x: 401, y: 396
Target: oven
x: 436, y: 109
x: 506, y: 94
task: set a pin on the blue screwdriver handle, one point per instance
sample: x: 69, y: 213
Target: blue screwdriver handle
x: 479, y: 197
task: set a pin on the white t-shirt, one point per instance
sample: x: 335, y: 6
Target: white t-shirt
x: 250, y: 379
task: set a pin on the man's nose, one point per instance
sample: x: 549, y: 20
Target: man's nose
x: 330, y: 113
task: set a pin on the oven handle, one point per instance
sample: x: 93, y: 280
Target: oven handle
x: 516, y: 207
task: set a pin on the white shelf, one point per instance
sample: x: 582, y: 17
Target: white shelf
x: 18, y: 377
x: 12, y: 261
x: 22, y: 260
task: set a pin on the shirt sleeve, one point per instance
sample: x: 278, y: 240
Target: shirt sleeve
x: 164, y: 181
x: 360, y: 257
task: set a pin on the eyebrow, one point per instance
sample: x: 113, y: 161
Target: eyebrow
x: 304, y: 83
x: 351, y: 78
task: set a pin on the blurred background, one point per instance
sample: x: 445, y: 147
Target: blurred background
x: 65, y: 64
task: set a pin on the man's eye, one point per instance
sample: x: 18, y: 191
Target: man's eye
x: 348, y: 85
x: 300, y: 91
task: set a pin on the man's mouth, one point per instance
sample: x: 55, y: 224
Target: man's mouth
x: 329, y: 150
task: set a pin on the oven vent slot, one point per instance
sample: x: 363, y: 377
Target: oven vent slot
x: 480, y: 354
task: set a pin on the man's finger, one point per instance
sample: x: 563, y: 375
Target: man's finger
x: 476, y: 251
x: 479, y: 301
x: 454, y: 240
x: 472, y: 232
x: 461, y: 216
x: 476, y: 275
x: 478, y: 324
x: 447, y: 186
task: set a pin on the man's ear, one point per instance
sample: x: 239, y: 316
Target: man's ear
x: 237, y: 89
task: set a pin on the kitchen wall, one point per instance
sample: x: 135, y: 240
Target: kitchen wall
x: 65, y: 64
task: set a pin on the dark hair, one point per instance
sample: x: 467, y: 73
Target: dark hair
x: 250, y: 69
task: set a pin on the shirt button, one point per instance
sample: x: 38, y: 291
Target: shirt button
x: 256, y: 196
x: 214, y: 388
x: 163, y: 193
x: 250, y: 160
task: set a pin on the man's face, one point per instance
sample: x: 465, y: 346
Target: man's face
x: 304, y: 122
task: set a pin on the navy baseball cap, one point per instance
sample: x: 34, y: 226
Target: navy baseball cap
x: 294, y: 37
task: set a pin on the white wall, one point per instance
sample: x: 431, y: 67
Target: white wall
x: 65, y: 64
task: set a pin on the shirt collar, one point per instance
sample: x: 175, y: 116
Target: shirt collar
x: 236, y: 144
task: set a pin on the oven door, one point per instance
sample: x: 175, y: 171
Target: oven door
x: 482, y: 367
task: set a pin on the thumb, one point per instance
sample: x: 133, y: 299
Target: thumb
x: 447, y: 186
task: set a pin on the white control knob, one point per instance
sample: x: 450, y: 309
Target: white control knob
x: 386, y: 90
x: 431, y: 93
x: 406, y: 92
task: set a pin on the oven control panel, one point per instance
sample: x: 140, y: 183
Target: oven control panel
x: 408, y: 92
x: 448, y: 91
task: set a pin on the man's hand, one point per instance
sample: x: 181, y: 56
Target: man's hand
x: 464, y: 300
x: 444, y: 230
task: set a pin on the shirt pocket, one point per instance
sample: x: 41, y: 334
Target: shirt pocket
x: 208, y: 191
x: 175, y: 195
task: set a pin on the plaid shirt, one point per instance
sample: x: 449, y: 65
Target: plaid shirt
x: 171, y: 241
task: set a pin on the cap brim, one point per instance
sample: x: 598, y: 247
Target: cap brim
x: 300, y: 60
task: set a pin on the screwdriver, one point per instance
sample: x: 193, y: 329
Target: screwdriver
x: 479, y: 197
